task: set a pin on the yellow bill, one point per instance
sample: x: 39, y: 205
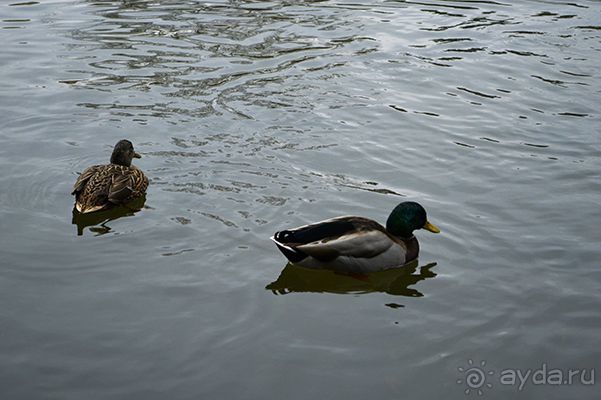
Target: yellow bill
x: 431, y: 227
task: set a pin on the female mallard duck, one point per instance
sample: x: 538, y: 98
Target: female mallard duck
x: 356, y: 244
x: 102, y: 186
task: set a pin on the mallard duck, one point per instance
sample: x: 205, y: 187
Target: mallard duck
x: 356, y: 244
x: 100, y: 187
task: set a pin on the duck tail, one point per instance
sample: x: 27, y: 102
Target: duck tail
x: 293, y: 255
x: 86, y: 208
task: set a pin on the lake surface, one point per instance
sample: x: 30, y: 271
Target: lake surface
x: 257, y: 116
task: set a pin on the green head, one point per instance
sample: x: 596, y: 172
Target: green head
x: 407, y: 217
x: 124, y: 153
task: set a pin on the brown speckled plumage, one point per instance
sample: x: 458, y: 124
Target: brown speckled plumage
x: 102, y: 186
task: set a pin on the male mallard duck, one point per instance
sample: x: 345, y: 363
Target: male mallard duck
x: 356, y: 244
x: 102, y: 186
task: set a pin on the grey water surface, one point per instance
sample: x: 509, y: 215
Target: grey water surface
x: 255, y: 116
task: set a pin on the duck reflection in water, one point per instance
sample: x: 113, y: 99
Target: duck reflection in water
x: 98, y: 220
x: 395, y: 281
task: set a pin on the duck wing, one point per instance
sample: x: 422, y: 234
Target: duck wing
x: 343, y: 236
x: 126, y: 183
x: 84, y: 177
